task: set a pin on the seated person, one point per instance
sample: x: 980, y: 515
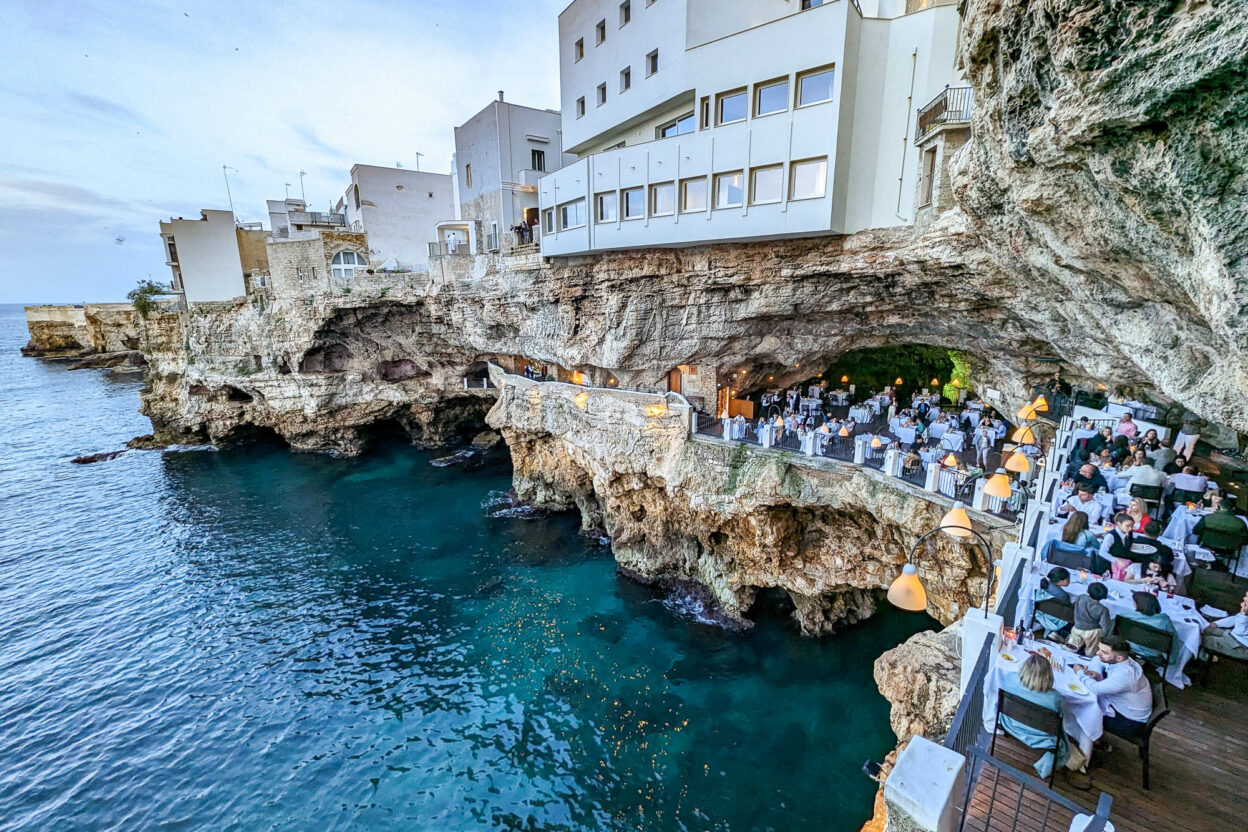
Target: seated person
x: 1054, y: 586
x: 1162, y: 455
x: 1148, y: 611
x: 1083, y: 500
x: 1143, y: 473
x: 1091, y: 476
x: 1034, y: 682
x: 1077, y: 457
x: 1102, y: 440
x: 1149, y: 441
x: 1092, y: 620
x: 1228, y: 527
x: 1229, y: 636
x: 1121, y: 687
x: 1153, y: 572
x: 1146, y: 545
x: 1120, y: 450
x: 1116, y: 546
x: 1126, y: 427
x: 1175, y: 465
x: 1139, y: 513
x: 1077, y: 533
x: 1189, y: 480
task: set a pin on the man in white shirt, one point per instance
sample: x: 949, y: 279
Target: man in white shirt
x: 1189, y: 480
x: 1084, y: 500
x: 1121, y: 688
x: 1229, y: 636
x: 1145, y: 475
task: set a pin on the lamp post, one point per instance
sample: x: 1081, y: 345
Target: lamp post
x: 907, y: 592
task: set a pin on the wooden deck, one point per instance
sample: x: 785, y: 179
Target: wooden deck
x: 1199, y: 777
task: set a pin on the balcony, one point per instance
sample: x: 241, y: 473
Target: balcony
x: 952, y: 106
x: 317, y: 218
x: 447, y: 249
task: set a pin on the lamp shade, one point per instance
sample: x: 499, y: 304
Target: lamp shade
x: 998, y: 485
x: 1024, y: 436
x: 897, y: 380
x: 779, y: 422
x: 1041, y: 404
x: 1018, y: 463
x: 956, y: 522
x: 906, y: 591
x: 875, y: 442
x: 1026, y: 412
x: 844, y: 431
x: 844, y: 379
x: 951, y: 461
x: 957, y: 382
x: 935, y: 382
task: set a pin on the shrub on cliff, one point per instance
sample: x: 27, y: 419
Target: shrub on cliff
x: 143, y: 296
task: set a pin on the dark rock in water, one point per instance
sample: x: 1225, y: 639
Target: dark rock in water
x: 458, y: 458
x: 688, y: 599
x: 146, y: 442
x: 103, y: 360
x: 486, y: 439
x: 490, y: 587
x: 102, y: 457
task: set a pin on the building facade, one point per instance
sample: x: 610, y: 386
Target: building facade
x: 399, y: 210
x: 698, y: 121
x: 211, y: 258
x: 500, y: 153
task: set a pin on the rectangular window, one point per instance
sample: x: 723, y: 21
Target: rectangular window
x: 677, y: 127
x: 572, y: 214
x: 600, y: 32
x: 468, y: 175
x: 652, y: 62
x: 537, y: 159
x: 626, y: 78
x: 729, y: 189
x: 927, y: 183
x: 731, y: 107
x: 626, y: 12
x: 704, y: 121
x: 578, y: 49
x: 580, y: 107
x: 548, y: 221
x: 814, y: 86
x: 810, y: 4
x: 766, y: 184
x: 634, y: 203
x: 693, y: 195
x: 808, y: 179
x: 662, y: 199
x: 606, y: 207
x: 602, y: 94
x: 771, y: 98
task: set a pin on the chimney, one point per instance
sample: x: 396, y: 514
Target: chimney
x: 500, y: 95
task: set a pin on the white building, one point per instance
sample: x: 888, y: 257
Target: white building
x: 209, y: 256
x: 500, y: 153
x: 701, y: 121
x: 399, y: 210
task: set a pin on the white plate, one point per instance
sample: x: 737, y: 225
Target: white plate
x: 1076, y: 688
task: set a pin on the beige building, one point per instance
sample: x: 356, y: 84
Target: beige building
x: 316, y: 259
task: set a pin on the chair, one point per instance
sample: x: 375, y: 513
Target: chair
x: 1059, y: 553
x: 1224, y: 545
x: 1038, y: 717
x: 1052, y: 606
x: 1150, y: 638
x: 1159, y: 712
x: 1147, y: 493
x: 1178, y: 496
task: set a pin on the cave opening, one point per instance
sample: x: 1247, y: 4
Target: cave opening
x: 249, y: 434
x: 329, y: 358
x: 772, y: 604
x: 917, y: 365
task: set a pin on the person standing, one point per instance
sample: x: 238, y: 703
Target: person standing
x: 1189, y: 434
x: 983, y: 444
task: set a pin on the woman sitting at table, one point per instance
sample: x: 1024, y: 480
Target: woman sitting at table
x: 1102, y: 440
x: 1034, y: 682
x: 1148, y: 611
x: 1138, y: 512
x: 1077, y: 533
x: 1119, y: 451
x: 1156, y: 571
x: 1149, y: 441
x: 1054, y: 587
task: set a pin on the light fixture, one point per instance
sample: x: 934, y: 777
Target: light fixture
x: 797, y: 365
x: 956, y: 522
x: 875, y: 442
x: 998, y: 485
x: 935, y: 383
x: 957, y: 382
x: 779, y: 422
x: 771, y: 378
x: 844, y: 379
x: 897, y: 380
x: 1018, y: 463
x: 907, y: 590
x: 1041, y: 404
x: 844, y: 431
x: 1027, y: 412
x: 1024, y: 436
x: 951, y: 461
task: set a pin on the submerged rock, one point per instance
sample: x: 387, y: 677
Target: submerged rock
x: 89, y: 459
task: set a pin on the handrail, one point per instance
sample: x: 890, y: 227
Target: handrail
x: 966, y: 730
x: 951, y: 106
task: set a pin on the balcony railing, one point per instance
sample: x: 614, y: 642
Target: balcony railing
x: 316, y: 218
x: 443, y: 249
x: 952, y: 106
x: 491, y: 241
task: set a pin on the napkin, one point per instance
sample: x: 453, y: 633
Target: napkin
x: 1212, y: 612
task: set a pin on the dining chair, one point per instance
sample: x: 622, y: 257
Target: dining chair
x: 1042, y: 719
x: 1144, y: 740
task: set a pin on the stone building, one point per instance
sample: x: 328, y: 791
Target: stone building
x: 317, y: 260
x: 213, y: 258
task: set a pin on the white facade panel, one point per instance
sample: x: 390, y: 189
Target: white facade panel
x: 399, y: 210
x: 208, y: 258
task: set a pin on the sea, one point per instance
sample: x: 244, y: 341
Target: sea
x: 253, y: 639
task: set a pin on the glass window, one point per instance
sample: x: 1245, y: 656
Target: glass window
x: 602, y: 94
x: 693, y: 195
x: 626, y: 12
x: 732, y: 107
x: 538, y: 159
x: 626, y: 78
x: 572, y: 214
x: 766, y: 184
x: 607, y: 207
x: 578, y: 49
x: 345, y: 263
x: 729, y: 189
x: 468, y: 175
x: 662, y: 199
x: 580, y: 106
x: 548, y: 220
x: 808, y: 179
x: 600, y: 32
x: 814, y: 87
x: 771, y: 98
x: 652, y: 62
x: 634, y: 203
x: 810, y: 4
x: 679, y: 127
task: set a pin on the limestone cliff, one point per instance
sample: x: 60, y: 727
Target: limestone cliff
x: 87, y: 329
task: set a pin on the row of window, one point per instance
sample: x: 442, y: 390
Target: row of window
x: 600, y: 28
x: 807, y: 180
x: 537, y: 162
x: 626, y: 82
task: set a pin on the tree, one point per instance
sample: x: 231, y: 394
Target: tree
x: 143, y: 296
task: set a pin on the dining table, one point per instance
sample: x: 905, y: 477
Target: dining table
x: 861, y: 414
x: 1082, y: 719
x: 952, y: 440
x: 937, y: 429
x: 1181, y: 610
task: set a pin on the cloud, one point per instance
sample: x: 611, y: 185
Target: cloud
x: 110, y: 111
x: 62, y: 194
x: 311, y: 139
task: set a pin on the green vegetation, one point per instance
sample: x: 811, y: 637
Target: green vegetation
x: 961, y: 373
x: 144, y: 296
x: 736, y: 461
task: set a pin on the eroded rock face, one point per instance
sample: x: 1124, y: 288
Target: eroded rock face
x: 921, y: 678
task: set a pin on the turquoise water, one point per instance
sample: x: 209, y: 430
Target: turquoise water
x: 256, y: 640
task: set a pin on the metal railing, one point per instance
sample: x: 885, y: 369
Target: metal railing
x: 967, y: 729
x: 477, y: 383
x: 444, y: 249
x: 1007, y: 595
x: 951, y: 106
x: 316, y: 218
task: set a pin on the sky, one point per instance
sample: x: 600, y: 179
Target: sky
x: 115, y: 115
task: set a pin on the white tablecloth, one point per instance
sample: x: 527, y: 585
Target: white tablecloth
x: 952, y: 440
x: 937, y: 429
x: 906, y: 435
x: 972, y: 416
x: 1081, y: 713
x: 874, y: 404
x: 1143, y: 411
x: 1182, y: 611
x: 839, y: 398
x: 861, y: 414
